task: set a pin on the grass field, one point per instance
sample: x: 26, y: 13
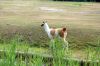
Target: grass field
x: 23, y: 18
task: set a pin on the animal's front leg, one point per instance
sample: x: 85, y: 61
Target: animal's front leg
x: 51, y: 44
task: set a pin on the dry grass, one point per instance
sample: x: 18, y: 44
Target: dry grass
x: 24, y: 18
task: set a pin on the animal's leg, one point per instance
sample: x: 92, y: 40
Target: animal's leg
x: 51, y: 44
x: 66, y: 44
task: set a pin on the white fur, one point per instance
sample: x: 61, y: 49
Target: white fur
x: 47, y: 30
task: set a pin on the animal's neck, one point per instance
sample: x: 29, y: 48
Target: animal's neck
x: 46, y: 27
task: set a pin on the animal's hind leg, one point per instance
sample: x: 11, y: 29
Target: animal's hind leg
x: 66, y: 44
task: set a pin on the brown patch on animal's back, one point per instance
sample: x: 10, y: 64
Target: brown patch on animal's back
x: 61, y: 32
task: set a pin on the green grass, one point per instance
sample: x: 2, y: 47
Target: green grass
x: 73, y: 52
x: 59, y: 57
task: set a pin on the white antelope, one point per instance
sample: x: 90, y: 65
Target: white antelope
x: 58, y: 32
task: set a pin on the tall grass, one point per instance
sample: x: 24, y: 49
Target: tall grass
x: 59, y: 56
x: 94, y: 56
x: 58, y: 52
x: 9, y: 56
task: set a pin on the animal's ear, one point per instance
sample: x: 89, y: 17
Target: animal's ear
x: 44, y: 21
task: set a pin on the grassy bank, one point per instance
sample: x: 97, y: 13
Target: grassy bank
x: 59, y: 55
x: 25, y: 47
x: 24, y: 18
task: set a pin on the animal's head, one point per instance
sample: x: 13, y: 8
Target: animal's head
x: 43, y: 23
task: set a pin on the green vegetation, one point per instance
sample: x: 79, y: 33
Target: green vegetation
x: 59, y: 57
x: 23, y: 18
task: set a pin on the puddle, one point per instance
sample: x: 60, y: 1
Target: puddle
x: 51, y: 9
